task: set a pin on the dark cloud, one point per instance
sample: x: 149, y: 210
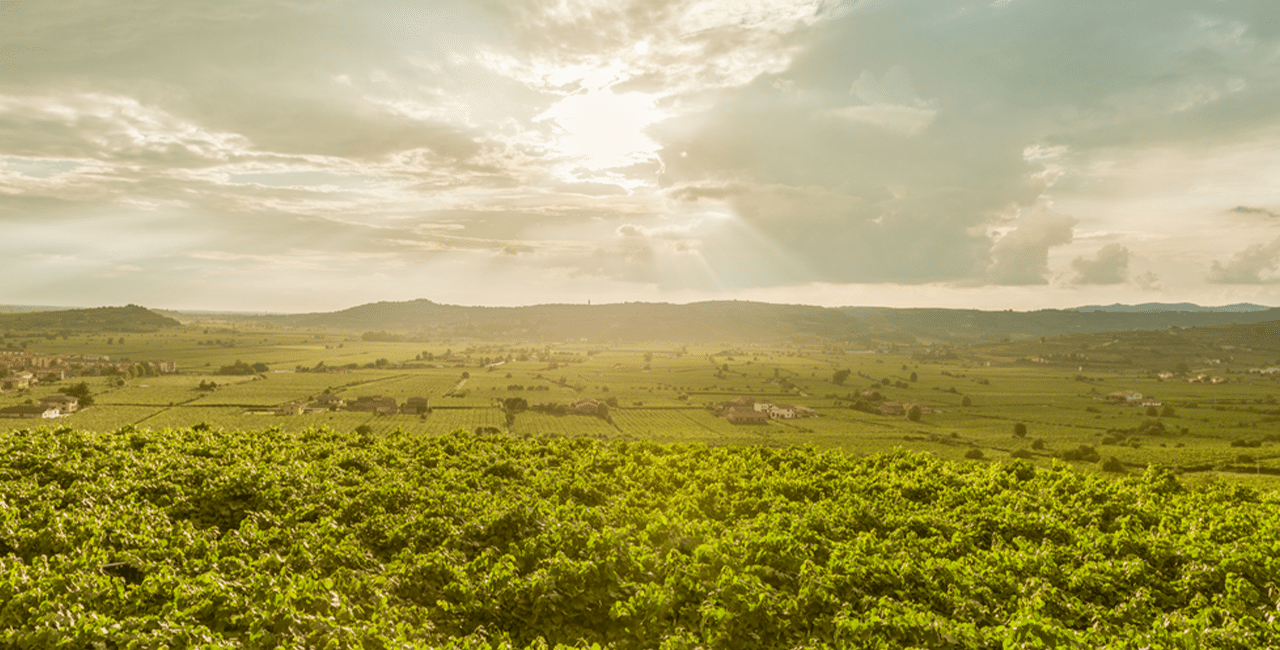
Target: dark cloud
x: 1109, y: 266
x: 1241, y: 209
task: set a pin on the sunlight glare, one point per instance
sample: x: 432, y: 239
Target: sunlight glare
x: 603, y: 129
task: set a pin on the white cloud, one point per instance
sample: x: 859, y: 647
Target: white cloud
x: 907, y: 120
x: 1109, y: 266
x: 1021, y: 256
x: 1257, y: 264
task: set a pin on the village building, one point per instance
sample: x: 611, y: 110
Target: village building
x: 18, y: 381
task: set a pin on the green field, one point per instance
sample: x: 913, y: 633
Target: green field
x: 663, y: 392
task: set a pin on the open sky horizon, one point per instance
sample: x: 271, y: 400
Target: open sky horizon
x: 314, y: 155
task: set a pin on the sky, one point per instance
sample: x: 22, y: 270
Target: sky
x: 312, y: 155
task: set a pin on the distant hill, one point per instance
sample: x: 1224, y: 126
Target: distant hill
x: 1173, y: 306
x: 741, y: 321
x: 22, y: 309
x: 1196, y: 348
x: 130, y: 318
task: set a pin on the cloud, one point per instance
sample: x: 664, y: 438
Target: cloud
x: 1241, y: 209
x: 736, y: 145
x: 1256, y: 264
x: 1021, y: 256
x: 1147, y: 281
x: 1109, y: 266
x: 906, y: 120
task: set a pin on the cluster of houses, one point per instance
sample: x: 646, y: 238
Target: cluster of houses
x: 1207, y: 379
x: 745, y: 410
x: 1129, y: 398
x: 364, y: 404
x: 53, y: 406
x: 22, y: 369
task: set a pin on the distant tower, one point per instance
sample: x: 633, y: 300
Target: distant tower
x: 588, y: 302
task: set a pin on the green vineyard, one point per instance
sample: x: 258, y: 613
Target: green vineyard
x: 320, y: 538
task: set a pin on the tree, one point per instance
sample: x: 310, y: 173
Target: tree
x: 913, y: 413
x: 839, y: 377
x: 1020, y: 430
x: 364, y: 429
x: 1167, y: 411
x: 966, y: 401
x: 915, y: 377
x: 466, y: 375
x: 1152, y: 411
x: 79, y: 391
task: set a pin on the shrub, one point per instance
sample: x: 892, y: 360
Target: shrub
x: 1112, y: 464
x: 1020, y: 430
x: 1082, y: 453
x: 966, y: 401
x: 974, y: 454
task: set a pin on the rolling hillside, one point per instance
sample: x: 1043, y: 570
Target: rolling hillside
x: 130, y: 318
x: 743, y: 321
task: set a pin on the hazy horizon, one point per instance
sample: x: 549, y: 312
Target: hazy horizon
x: 304, y: 157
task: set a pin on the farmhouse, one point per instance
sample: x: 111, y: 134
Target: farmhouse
x: 1123, y: 396
x: 329, y: 401
x: 64, y: 403
x: 373, y: 404
x: 417, y: 405
x: 891, y: 408
x: 30, y: 411
x: 744, y: 416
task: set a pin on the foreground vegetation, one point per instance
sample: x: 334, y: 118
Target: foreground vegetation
x: 181, y: 537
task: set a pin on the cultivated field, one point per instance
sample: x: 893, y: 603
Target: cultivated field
x: 664, y: 393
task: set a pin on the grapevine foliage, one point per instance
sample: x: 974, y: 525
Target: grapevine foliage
x: 330, y: 539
